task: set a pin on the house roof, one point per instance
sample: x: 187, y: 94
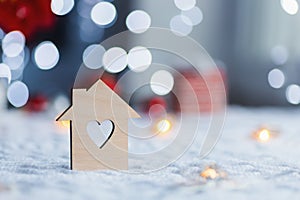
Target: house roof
x: 100, y: 89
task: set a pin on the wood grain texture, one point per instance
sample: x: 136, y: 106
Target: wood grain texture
x: 98, y: 103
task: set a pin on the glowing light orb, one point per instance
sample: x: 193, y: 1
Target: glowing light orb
x: 290, y: 6
x: 162, y: 82
x: 46, y: 55
x: 13, y: 43
x: 92, y: 56
x: 209, y: 173
x: 279, y: 55
x: 104, y: 13
x: 195, y: 15
x: 18, y: 94
x: 181, y: 25
x: 264, y: 135
x: 163, y: 126
x: 185, y: 4
x: 115, y: 60
x: 138, y: 21
x: 5, y: 72
x: 139, y: 59
x: 65, y: 124
x: 62, y: 7
x: 293, y: 94
x: 276, y: 78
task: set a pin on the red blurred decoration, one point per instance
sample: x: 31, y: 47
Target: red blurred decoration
x: 109, y: 80
x: 193, y: 83
x: 37, y: 103
x: 157, y: 106
x: 27, y: 16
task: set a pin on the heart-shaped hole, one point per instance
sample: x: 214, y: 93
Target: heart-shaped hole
x: 100, y: 133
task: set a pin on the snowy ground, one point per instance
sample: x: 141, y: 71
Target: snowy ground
x: 34, y: 163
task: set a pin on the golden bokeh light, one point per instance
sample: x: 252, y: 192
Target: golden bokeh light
x: 211, y: 172
x: 264, y: 135
x: 63, y: 125
x: 163, y: 126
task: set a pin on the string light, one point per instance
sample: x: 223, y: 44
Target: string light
x: 264, y: 134
x: 163, y: 126
x: 64, y: 124
x: 211, y: 172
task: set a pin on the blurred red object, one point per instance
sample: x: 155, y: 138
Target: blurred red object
x: 157, y: 106
x: 27, y: 16
x: 193, y: 92
x: 37, y: 103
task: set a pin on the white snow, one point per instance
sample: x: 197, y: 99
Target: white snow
x: 34, y: 163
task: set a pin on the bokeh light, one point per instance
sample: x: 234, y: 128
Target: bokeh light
x: 5, y: 72
x: 290, y: 6
x: 279, y: 55
x: 62, y: 7
x: 18, y: 94
x: 46, y: 55
x: 92, y: 56
x: 209, y: 173
x: 89, y: 31
x: 194, y: 14
x: 276, y: 78
x: 60, y: 103
x: 263, y: 135
x: 163, y: 126
x: 162, y: 82
x: 13, y: 62
x: 181, y: 25
x: 115, y: 60
x: 1, y: 34
x: 13, y: 43
x: 104, y: 13
x: 138, y: 21
x: 185, y: 4
x: 293, y: 94
x: 139, y: 59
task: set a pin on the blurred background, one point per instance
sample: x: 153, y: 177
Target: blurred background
x: 254, y: 43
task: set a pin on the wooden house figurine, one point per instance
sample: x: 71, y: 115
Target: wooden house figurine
x: 99, y: 128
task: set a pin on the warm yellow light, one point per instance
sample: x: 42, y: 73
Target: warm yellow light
x: 264, y: 135
x: 212, y: 172
x: 63, y: 124
x: 163, y: 126
x: 209, y: 173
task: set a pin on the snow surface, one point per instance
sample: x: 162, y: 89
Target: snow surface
x: 34, y: 163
